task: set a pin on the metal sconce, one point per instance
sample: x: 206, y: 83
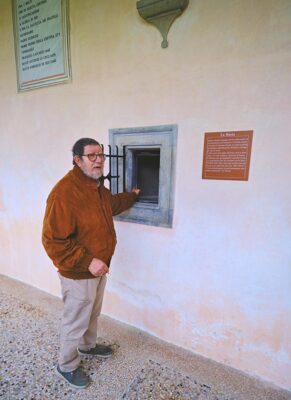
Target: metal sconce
x: 161, y: 13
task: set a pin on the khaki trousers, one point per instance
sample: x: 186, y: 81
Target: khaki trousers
x: 82, y: 300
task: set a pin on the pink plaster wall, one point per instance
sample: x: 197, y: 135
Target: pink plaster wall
x: 219, y: 282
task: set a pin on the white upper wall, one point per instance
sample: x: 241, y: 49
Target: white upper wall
x: 219, y: 282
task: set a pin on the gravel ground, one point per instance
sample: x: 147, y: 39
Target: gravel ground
x: 159, y: 382
x: 29, y: 343
x: 142, y: 368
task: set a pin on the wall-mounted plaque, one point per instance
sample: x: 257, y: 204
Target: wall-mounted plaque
x: 227, y: 155
x: 41, y: 42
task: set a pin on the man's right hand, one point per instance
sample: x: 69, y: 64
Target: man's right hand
x: 98, y: 267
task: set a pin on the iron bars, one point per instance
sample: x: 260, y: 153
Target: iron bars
x: 117, y: 156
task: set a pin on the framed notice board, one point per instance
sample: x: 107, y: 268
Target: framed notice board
x: 41, y: 35
x: 227, y: 155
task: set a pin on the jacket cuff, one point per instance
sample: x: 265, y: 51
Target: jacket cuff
x: 84, y: 263
x: 133, y: 195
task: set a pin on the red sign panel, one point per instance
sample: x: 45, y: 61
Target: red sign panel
x: 227, y: 155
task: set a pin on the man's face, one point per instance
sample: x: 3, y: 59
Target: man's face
x: 93, y: 169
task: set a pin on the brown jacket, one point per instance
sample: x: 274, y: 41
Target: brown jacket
x: 78, y: 223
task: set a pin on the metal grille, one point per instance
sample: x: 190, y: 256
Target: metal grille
x: 114, y: 153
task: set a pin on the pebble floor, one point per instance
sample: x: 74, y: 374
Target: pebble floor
x: 29, y: 348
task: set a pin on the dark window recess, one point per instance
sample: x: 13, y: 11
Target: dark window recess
x: 146, y: 174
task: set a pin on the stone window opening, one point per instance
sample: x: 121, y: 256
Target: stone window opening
x: 149, y: 164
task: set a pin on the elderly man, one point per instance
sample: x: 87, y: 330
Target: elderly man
x: 79, y: 237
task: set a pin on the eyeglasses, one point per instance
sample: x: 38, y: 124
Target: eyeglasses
x: 93, y: 156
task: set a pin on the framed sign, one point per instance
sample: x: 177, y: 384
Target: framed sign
x: 41, y: 42
x: 227, y: 155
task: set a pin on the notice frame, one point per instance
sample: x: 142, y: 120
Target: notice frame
x: 42, y: 43
x: 226, y: 155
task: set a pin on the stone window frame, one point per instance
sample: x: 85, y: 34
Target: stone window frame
x: 163, y: 137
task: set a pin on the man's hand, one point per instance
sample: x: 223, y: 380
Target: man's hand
x: 98, y: 267
x: 136, y: 191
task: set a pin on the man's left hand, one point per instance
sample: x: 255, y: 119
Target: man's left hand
x: 98, y: 267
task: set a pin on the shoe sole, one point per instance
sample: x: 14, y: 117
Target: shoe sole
x: 94, y: 355
x: 69, y: 383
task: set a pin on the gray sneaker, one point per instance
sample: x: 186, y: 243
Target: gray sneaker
x: 100, y: 350
x: 77, y: 378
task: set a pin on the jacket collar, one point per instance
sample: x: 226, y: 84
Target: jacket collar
x: 84, y: 179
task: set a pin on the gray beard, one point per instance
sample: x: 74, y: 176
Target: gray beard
x: 97, y: 178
